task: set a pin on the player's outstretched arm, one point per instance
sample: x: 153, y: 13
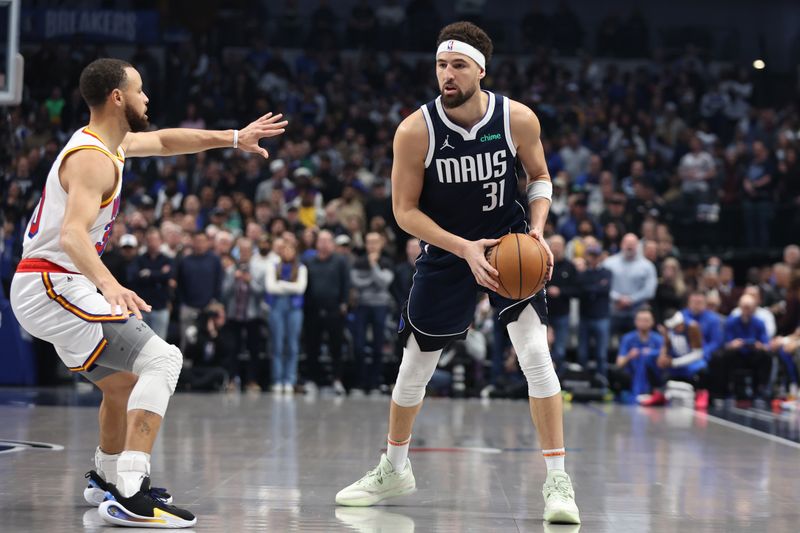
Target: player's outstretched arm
x: 175, y: 141
x: 526, y: 131
x: 87, y: 175
x: 408, y: 175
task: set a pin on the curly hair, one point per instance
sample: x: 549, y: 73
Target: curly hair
x: 469, y: 33
x: 100, y: 77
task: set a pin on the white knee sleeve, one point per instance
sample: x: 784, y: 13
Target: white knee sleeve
x: 529, y: 337
x: 415, y: 372
x: 158, y: 366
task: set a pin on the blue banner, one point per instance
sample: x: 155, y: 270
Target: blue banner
x: 92, y: 26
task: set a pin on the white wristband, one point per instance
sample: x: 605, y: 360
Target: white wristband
x: 235, y: 139
x: 540, y: 189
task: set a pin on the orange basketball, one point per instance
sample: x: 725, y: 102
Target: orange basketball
x: 521, y: 262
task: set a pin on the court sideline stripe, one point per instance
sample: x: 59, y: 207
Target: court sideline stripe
x: 745, y: 429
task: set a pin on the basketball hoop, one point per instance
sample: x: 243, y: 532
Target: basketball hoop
x: 12, y: 64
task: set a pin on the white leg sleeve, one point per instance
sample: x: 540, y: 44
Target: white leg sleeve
x: 158, y: 366
x: 415, y: 372
x: 529, y: 337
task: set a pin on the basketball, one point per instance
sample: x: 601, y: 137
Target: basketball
x: 521, y: 262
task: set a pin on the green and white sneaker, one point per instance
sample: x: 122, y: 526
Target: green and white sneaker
x: 379, y: 484
x: 559, y: 499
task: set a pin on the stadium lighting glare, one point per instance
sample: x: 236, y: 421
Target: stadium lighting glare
x: 759, y: 64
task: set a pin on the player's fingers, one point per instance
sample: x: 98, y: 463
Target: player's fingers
x: 264, y: 153
x: 271, y: 126
x: 272, y: 133
x: 273, y: 119
x: 265, y: 117
x: 487, y: 267
x: 490, y: 279
x: 141, y: 304
x: 132, y: 307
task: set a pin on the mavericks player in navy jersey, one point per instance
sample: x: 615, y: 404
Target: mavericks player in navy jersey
x: 454, y: 186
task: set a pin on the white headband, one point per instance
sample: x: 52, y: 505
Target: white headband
x: 463, y: 48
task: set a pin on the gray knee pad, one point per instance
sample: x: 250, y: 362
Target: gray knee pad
x: 415, y: 372
x: 158, y: 366
x: 529, y: 337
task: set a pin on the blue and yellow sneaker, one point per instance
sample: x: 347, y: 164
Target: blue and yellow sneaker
x: 142, y: 510
x: 95, y: 493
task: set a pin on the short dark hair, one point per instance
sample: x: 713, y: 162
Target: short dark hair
x: 100, y: 77
x: 469, y: 33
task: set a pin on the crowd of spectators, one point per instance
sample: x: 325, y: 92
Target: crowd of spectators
x: 297, y: 259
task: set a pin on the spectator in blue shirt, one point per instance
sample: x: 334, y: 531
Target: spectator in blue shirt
x: 697, y: 312
x: 746, y: 345
x: 638, y: 367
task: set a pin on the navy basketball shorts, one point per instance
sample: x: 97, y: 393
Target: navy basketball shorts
x: 441, y: 305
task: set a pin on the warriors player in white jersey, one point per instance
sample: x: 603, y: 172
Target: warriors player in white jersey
x: 102, y: 336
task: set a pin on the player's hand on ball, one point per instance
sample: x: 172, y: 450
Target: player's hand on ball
x: 124, y: 300
x: 537, y: 234
x: 267, y: 126
x: 474, y: 253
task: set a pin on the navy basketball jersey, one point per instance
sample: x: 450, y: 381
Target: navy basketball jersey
x: 470, y: 185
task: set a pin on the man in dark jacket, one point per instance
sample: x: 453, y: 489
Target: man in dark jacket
x: 595, y: 308
x: 149, y: 276
x: 560, y: 291
x: 326, y: 308
x: 199, y: 279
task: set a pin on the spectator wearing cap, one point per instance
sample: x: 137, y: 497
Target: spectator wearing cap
x: 633, y: 283
x: 594, y: 288
x: 560, y: 290
x: 344, y: 246
x: 118, y: 259
x: 371, y: 276
x: 326, y: 304
x: 150, y: 275
x: 278, y: 180
x: 746, y: 344
x: 199, y: 282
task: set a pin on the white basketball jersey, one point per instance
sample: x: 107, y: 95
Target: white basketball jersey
x: 43, y: 234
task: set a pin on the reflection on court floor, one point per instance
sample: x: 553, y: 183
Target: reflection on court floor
x: 261, y: 463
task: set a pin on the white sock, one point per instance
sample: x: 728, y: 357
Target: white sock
x: 132, y: 468
x: 554, y: 459
x: 106, y: 464
x: 397, y: 453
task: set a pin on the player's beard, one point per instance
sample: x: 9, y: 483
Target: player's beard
x: 136, y: 122
x: 457, y: 99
